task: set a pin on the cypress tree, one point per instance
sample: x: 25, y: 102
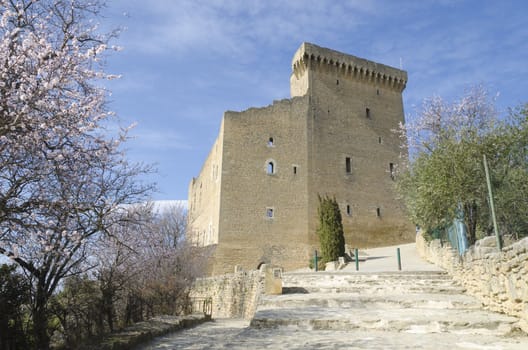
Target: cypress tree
x: 330, y: 230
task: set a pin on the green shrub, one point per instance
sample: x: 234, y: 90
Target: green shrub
x: 330, y: 230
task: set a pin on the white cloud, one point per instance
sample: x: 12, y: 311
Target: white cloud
x: 231, y: 27
x: 164, y: 139
x: 165, y: 205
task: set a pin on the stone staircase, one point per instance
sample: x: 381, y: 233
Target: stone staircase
x: 377, y: 308
x: 386, y: 305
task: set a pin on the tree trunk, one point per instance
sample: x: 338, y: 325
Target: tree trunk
x: 470, y: 218
x: 108, y: 305
x: 40, y: 318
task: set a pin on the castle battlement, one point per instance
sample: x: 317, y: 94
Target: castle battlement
x: 310, y: 56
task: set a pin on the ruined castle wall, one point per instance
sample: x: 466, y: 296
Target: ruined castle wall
x: 263, y: 215
x: 233, y: 295
x: 204, y: 197
x: 353, y: 112
x: 497, y: 279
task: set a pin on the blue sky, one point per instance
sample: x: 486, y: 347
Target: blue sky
x: 185, y: 62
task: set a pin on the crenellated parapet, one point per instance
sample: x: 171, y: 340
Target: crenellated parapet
x: 313, y: 57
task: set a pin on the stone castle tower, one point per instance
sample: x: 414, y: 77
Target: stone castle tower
x: 256, y: 197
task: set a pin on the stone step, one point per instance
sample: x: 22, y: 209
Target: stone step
x: 365, y: 289
x: 368, y: 275
x: 350, y: 278
x: 422, y: 302
x: 233, y: 334
x: 355, y: 280
x: 400, y: 320
x: 353, y: 301
x: 369, y: 283
x: 318, y: 281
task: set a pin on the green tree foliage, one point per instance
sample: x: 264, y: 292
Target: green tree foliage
x: 330, y: 230
x: 446, y: 176
x: 79, y: 310
x: 14, y: 301
x: 510, y: 174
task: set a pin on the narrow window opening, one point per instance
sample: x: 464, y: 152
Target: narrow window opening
x: 379, y: 139
x: 391, y: 170
x: 348, y: 210
x: 271, y: 168
x: 294, y: 170
x: 348, y: 165
x: 377, y: 91
x: 270, y: 142
x: 337, y: 82
x: 378, y: 212
x: 367, y: 112
x: 269, y: 212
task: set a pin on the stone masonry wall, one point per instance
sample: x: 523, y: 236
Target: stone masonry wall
x: 247, y: 235
x: 234, y: 295
x: 204, y: 198
x: 352, y: 151
x: 498, y: 279
x: 256, y: 197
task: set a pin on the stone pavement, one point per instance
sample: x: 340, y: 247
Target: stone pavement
x: 378, y: 307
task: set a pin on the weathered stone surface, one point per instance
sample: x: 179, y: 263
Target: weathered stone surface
x: 142, y: 332
x: 498, y: 279
x: 273, y: 280
x: 331, y: 266
x: 490, y: 242
x: 233, y: 295
x: 235, y: 335
x: 378, y: 308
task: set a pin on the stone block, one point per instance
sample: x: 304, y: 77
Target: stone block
x: 522, y: 258
x: 273, y: 280
x: 341, y: 262
x: 331, y: 266
x: 512, y: 254
x: 521, y: 246
x: 523, y: 324
x: 505, y: 268
x: 513, y: 292
x: 490, y: 242
x: 485, y: 252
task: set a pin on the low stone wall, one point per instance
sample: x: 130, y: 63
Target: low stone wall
x: 233, y: 295
x: 498, y: 279
x: 142, y: 332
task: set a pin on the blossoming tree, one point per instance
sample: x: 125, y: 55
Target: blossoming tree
x: 446, y: 179
x: 61, y: 176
